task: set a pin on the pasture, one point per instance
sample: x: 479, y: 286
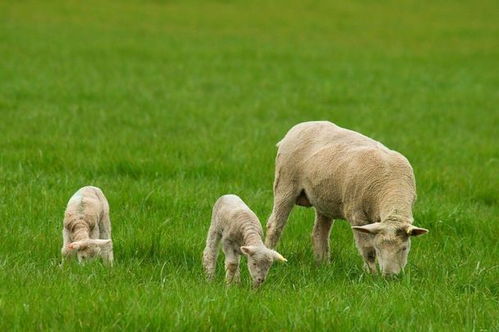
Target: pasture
x: 166, y: 105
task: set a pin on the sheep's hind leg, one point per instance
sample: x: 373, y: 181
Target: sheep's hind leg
x: 320, y: 237
x: 232, y: 259
x: 210, y: 253
x: 285, y: 196
x: 277, y: 220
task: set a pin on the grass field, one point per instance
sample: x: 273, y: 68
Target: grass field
x: 166, y: 105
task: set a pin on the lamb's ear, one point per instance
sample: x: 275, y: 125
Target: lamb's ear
x: 278, y: 257
x: 99, y: 243
x: 248, y: 250
x: 74, y: 246
x: 416, y: 231
x: 373, y: 228
x: 65, y: 251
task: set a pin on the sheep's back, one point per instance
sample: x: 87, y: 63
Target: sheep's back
x: 337, y: 166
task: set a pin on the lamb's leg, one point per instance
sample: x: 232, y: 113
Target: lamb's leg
x: 210, y: 252
x: 105, y: 223
x: 105, y: 234
x: 320, y: 237
x: 365, y: 246
x: 65, y: 241
x: 232, y: 259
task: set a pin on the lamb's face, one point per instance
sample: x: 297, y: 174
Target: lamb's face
x: 88, y: 253
x: 86, y: 250
x: 259, y: 265
x: 260, y: 259
x: 392, y: 244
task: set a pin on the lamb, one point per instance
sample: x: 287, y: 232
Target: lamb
x: 87, y: 227
x: 239, y: 229
x: 346, y: 175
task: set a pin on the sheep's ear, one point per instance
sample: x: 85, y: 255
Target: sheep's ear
x: 416, y: 231
x: 373, y: 228
x: 99, y: 243
x: 278, y: 257
x: 248, y: 250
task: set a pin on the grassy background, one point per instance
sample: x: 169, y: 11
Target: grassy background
x: 166, y: 105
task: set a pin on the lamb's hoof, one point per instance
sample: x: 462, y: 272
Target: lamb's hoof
x: 322, y: 260
x: 370, y: 269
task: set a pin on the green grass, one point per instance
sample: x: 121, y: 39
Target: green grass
x: 166, y: 105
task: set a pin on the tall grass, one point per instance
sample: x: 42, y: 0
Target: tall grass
x: 166, y: 105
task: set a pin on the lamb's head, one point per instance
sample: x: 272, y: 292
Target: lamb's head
x: 260, y: 259
x: 87, y: 250
x: 392, y: 242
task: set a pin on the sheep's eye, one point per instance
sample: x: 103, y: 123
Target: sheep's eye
x: 404, y: 248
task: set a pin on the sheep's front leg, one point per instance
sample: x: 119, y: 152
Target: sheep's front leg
x: 365, y: 246
x: 232, y: 259
x: 320, y: 237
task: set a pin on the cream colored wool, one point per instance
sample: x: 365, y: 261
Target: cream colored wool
x: 238, y: 228
x: 346, y: 175
x: 87, y: 227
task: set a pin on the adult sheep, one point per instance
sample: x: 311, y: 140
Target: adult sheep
x: 346, y: 175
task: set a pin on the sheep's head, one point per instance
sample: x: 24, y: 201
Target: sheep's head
x: 260, y: 259
x: 86, y: 249
x: 392, y: 242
